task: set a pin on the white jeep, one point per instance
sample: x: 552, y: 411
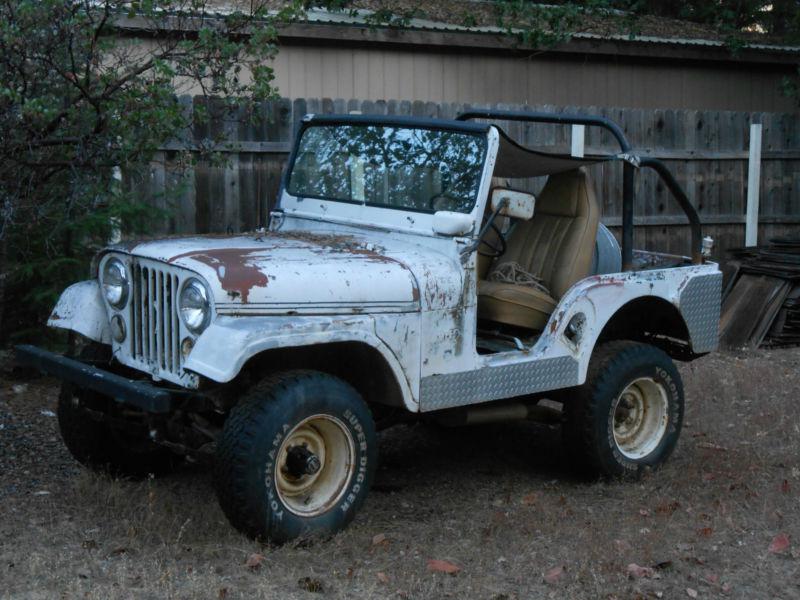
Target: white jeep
x: 400, y: 277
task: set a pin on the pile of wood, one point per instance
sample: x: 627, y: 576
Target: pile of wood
x: 761, y: 300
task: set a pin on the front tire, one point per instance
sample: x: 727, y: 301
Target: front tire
x: 627, y: 417
x: 296, y: 456
x: 99, y: 446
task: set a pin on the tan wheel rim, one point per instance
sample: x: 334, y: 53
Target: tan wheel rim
x: 641, y: 415
x: 315, y: 463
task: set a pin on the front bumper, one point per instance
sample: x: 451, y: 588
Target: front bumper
x: 141, y: 394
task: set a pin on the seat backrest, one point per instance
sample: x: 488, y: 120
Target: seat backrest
x: 557, y: 244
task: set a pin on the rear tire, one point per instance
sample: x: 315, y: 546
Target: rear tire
x: 296, y: 456
x: 627, y: 417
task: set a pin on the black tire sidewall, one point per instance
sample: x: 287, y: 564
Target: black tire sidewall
x: 93, y: 444
x: 652, y: 363
x: 272, y: 417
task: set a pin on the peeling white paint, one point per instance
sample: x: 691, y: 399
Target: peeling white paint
x: 331, y: 272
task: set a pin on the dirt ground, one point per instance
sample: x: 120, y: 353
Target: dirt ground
x: 499, y: 502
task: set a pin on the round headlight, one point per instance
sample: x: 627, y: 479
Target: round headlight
x: 194, y: 305
x: 115, y: 283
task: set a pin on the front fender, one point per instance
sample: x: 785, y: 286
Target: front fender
x: 224, y: 348
x: 80, y: 308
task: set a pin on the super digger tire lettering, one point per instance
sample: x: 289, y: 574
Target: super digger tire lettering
x: 251, y: 442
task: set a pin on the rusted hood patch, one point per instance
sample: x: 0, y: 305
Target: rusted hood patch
x: 290, y: 268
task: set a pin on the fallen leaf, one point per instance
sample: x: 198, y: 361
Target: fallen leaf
x: 310, y: 584
x: 254, y: 561
x: 637, y: 572
x: 554, y: 575
x: 118, y: 551
x: 668, y: 508
x: 222, y: 594
x: 785, y: 486
x: 378, y: 539
x: 382, y: 577
x: 530, y: 498
x: 442, y: 566
x: 705, y: 531
x: 691, y: 593
x: 779, y: 543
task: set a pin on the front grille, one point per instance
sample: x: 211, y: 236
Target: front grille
x: 154, y: 326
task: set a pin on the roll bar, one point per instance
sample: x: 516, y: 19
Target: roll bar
x: 683, y: 200
x: 543, y: 117
x: 631, y: 162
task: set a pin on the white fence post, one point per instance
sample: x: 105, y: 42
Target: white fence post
x: 753, y: 186
x: 578, y: 132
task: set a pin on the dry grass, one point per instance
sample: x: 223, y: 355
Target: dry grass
x: 497, y: 501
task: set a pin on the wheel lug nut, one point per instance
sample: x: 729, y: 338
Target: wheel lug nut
x: 312, y: 464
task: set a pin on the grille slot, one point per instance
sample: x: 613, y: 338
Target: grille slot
x: 155, y: 330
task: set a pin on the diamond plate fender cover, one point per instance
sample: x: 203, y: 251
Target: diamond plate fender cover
x: 496, y: 382
x: 699, y: 304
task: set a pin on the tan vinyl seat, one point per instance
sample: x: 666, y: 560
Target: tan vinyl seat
x: 556, y: 245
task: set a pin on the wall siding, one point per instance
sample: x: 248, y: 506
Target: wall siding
x: 376, y: 73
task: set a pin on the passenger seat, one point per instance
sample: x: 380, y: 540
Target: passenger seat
x: 556, y: 245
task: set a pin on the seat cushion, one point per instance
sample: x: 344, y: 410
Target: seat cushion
x: 514, y: 304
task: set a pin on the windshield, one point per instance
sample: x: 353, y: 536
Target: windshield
x: 395, y: 167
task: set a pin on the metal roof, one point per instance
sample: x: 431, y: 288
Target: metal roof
x: 360, y: 17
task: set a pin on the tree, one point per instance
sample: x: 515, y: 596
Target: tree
x: 79, y: 100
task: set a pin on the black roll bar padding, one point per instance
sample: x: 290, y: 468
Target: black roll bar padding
x: 627, y: 216
x: 683, y: 200
x: 542, y: 117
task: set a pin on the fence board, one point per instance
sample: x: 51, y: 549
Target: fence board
x: 706, y: 151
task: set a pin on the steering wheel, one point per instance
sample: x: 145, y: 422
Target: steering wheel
x: 494, y: 251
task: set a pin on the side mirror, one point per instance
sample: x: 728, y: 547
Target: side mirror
x: 518, y: 205
x: 446, y: 222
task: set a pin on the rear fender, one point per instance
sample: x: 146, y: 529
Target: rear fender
x: 693, y: 290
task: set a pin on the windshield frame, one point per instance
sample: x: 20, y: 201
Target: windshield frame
x: 478, y: 130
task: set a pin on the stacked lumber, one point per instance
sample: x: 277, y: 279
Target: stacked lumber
x: 761, y: 301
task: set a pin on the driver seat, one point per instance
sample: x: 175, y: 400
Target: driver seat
x: 556, y: 245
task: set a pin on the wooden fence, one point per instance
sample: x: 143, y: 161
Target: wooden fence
x: 706, y: 150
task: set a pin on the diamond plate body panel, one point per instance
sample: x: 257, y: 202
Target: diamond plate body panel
x: 700, y: 304
x: 496, y: 382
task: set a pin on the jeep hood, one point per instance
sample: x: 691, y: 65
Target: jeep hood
x: 292, y: 271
